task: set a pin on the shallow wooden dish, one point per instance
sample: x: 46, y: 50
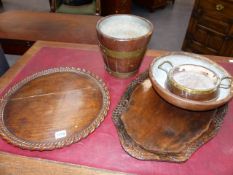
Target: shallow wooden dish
x: 53, y: 108
x: 158, y: 78
x: 152, y: 129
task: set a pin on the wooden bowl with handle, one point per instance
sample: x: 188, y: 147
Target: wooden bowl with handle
x: 168, y: 90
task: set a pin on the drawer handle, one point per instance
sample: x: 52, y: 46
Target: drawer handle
x: 219, y: 7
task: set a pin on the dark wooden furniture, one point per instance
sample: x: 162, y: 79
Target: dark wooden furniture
x: 210, y: 29
x: 153, y: 4
x: 20, y: 29
x: 115, y: 6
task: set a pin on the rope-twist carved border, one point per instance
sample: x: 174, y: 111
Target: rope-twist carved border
x: 11, y: 138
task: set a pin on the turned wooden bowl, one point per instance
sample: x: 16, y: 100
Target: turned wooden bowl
x: 178, y: 94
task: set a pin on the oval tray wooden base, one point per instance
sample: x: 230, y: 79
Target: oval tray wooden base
x: 150, y: 128
x: 53, y: 108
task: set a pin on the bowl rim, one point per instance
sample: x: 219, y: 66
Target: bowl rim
x: 151, y: 28
x: 188, y: 103
x: 173, y: 82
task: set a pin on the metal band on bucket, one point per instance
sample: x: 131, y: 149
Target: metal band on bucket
x: 123, y: 54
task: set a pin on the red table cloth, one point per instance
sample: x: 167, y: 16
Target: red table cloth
x: 102, y: 148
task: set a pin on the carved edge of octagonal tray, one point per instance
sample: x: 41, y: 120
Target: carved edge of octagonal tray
x: 12, y: 139
x: 136, y: 151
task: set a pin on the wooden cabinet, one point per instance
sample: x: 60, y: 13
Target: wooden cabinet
x: 115, y: 6
x: 152, y: 4
x: 210, y: 29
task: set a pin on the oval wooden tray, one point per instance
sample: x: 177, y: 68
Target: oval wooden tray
x: 152, y: 129
x: 53, y: 108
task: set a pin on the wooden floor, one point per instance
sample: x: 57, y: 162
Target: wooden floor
x: 11, y: 164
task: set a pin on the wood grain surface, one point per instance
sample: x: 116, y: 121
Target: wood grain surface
x: 20, y: 29
x: 53, y: 108
x: 33, y: 26
x: 11, y: 164
x: 158, y: 130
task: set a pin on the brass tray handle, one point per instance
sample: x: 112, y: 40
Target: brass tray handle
x: 219, y: 7
x: 226, y: 86
x: 165, y: 62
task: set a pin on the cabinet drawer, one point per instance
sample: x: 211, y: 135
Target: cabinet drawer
x: 217, y: 8
x: 208, y: 38
x: 199, y: 48
x: 215, y: 24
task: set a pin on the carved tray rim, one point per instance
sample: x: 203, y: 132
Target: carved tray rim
x: 41, y: 146
x: 137, y: 151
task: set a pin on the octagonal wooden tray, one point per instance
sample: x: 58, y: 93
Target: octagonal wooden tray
x: 150, y: 128
x: 53, y: 108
